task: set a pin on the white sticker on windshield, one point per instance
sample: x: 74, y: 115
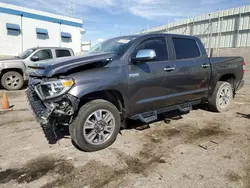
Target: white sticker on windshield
x: 123, y: 41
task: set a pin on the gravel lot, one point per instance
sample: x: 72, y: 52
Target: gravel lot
x: 165, y: 155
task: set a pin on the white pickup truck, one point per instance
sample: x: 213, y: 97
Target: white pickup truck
x: 13, y: 69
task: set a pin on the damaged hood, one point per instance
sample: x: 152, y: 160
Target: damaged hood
x: 49, y: 68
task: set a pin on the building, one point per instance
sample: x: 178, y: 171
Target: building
x: 86, y: 46
x: 222, y: 29
x: 224, y: 33
x: 23, y: 28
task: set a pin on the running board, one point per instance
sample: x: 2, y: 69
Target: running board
x: 148, y: 116
x: 186, y: 107
x: 153, y: 115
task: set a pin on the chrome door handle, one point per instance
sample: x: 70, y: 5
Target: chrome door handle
x: 205, y: 65
x: 169, y: 69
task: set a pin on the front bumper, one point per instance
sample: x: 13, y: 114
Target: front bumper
x: 53, y: 108
x: 51, y: 114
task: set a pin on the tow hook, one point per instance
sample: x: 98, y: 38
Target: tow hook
x: 54, y: 108
x: 70, y: 112
x: 46, y: 115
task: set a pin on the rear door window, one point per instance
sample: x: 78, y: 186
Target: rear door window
x: 186, y: 48
x: 62, y: 53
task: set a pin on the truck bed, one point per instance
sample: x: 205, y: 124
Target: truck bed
x: 228, y: 65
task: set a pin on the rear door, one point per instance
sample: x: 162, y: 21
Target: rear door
x: 147, y: 90
x: 192, y: 70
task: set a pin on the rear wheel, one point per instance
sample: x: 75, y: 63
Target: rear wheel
x: 222, y: 97
x: 12, y: 80
x: 96, y: 126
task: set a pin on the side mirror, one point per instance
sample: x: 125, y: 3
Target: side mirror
x: 34, y: 58
x: 144, y: 55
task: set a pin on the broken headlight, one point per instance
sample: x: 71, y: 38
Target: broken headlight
x: 51, y: 89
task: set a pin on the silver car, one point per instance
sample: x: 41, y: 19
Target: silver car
x: 13, y: 70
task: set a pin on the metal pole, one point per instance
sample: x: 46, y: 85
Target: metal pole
x: 192, y: 28
x: 21, y: 33
x: 218, y: 31
x: 218, y: 51
x: 209, y: 36
x: 186, y: 28
x: 238, y: 31
x: 60, y: 37
x: 208, y: 28
x: 166, y: 29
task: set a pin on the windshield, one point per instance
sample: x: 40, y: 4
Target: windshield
x: 116, y: 45
x: 26, y: 53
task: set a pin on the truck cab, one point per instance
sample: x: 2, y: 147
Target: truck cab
x: 180, y: 72
x: 44, y: 53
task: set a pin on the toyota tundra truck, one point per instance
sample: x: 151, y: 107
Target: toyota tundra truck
x: 132, y: 77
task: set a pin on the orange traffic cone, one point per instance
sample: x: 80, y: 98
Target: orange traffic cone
x: 5, y: 102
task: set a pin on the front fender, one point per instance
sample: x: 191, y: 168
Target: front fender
x: 101, y: 80
x: 12, y: 65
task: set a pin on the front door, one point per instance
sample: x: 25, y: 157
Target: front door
x: 147, y: 90
x: 42, y: 54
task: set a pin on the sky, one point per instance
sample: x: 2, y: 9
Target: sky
x: 103, y: 19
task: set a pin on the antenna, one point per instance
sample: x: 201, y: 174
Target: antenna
x: 70, y: 7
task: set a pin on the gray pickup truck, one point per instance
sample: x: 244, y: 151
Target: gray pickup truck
x: 13, y: 69
x: 130, y: 77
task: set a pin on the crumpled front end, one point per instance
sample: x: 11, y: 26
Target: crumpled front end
x: 53, y: 114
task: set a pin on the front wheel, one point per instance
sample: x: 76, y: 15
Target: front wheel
x: 96, y: 125
x: 222, y: 97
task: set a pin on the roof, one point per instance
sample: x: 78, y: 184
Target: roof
x: 39, y: 15
x: 159, y: 34
x: 52, y: 48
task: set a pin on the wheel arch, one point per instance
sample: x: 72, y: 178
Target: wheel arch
x: 113, y: 96
x: 230, y: 78
x: 19, y: 70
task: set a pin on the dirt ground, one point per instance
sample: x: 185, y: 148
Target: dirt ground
x: 200, y: 149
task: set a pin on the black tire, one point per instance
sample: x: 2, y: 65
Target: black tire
x: 214, y: 101
x: 12, y: 86
x: 76, y: 128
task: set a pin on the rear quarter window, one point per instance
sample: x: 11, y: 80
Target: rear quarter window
x: 186, y: 48
x: 62, y: 53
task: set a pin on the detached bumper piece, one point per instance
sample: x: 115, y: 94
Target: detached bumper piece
x: 51, y: 115
x: 40, y: 112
